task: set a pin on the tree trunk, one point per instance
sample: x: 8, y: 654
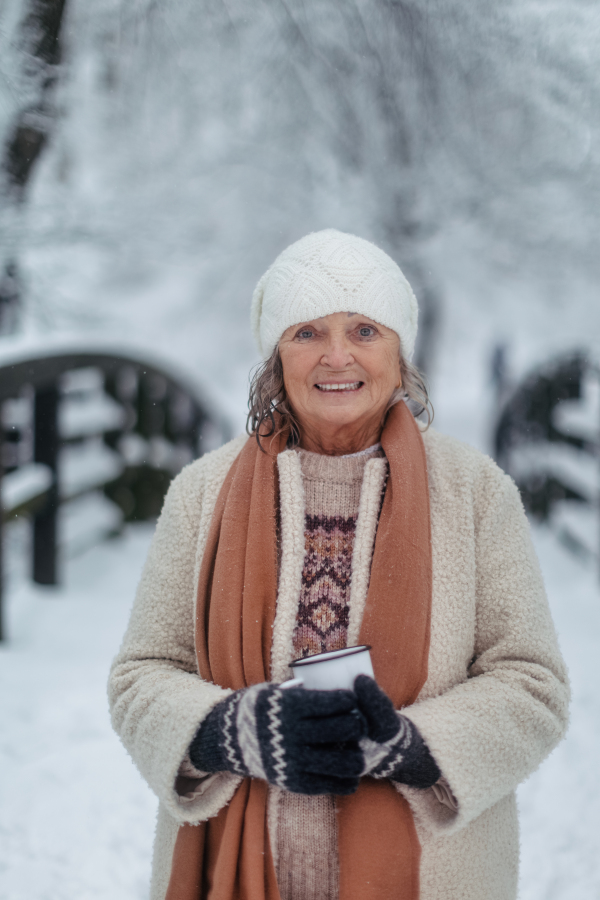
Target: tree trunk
x: 40, y: 45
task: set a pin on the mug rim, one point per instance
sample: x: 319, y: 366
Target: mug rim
x: 330, y: 654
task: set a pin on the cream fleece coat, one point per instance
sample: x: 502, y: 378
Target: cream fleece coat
x: 496, y: 696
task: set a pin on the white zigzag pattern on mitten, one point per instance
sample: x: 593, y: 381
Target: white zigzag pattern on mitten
x: 389, y: 752
x: 228, y: 736
x: 247, y: 734
x: 277, y: 737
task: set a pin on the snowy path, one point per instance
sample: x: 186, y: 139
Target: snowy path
x: 76, y: 820
x: 560, y: 804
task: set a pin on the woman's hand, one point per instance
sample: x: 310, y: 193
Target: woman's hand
x: 393, y: 748
x: 303, y: 741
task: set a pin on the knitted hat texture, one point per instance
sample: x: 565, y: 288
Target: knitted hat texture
x: 328, y: 272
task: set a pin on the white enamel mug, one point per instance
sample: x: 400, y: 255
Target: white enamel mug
x: 331, y: 671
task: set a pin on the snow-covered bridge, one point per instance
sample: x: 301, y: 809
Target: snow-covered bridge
x: 90, y: 436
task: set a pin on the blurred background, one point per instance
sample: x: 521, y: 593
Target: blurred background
x: 155, y: 156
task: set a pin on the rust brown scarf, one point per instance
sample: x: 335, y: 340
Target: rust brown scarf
x: 229, y: 857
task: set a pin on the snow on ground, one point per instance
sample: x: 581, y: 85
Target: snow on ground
x: 76, y: 819
x: 560, y: 803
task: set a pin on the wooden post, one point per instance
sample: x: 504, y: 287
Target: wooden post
x: 597, y: 449
x: 46, y: 441
x: 1, y: 531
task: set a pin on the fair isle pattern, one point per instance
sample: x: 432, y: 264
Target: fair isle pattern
x: 332, y: 489
x: 323, y: 611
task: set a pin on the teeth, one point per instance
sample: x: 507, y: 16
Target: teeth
x: 351, y: 386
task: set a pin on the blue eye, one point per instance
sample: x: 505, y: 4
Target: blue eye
x: 305, y: 333
x: 366, y: 331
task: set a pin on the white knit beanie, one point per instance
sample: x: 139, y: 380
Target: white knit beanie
x: 328, y: 272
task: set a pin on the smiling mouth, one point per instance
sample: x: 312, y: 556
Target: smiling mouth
x: 345, y: 386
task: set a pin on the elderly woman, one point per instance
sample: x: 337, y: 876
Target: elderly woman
x: 339, y: 521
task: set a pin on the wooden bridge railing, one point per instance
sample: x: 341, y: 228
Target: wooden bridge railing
x: 547, y: 437
x: 78, y: 422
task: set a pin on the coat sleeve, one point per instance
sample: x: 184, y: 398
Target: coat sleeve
x: 157, y: 699
x: 492, y: 731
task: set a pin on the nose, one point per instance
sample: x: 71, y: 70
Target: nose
x: 338, y: 352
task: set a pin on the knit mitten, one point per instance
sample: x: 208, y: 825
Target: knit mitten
x: 303, y: 741
x: 393, y: 747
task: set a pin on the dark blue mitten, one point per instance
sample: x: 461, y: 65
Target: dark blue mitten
x: 303, y: 741
x: 393, y: 747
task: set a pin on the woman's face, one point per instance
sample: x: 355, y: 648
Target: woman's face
x: 340, y: 371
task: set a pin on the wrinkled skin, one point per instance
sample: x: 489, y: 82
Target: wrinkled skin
x: 340, y: 349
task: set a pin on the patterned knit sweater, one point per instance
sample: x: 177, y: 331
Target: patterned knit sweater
x: 306, y: 854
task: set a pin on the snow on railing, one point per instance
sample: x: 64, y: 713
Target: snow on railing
x: 90, y: 436
x: 547, y: 438
x: 21, y: 486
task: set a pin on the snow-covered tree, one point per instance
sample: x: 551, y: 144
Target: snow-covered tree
x: 36, y: 52
x: 195, y: 139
